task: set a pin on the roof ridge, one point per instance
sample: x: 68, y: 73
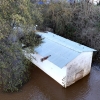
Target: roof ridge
x: 65, y: 42
x: 64, y: 45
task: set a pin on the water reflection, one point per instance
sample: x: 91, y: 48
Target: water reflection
x: 42, y: 87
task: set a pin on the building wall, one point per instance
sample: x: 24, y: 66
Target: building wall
x: 78, y: 68
x: 49, y: 68
x: 72, y: 72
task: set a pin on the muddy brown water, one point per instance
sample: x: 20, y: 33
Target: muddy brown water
x: 42, y: 87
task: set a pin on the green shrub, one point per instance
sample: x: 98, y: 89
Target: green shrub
x: 22, y: 15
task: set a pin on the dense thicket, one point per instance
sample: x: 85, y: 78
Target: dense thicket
x: 17, y: 20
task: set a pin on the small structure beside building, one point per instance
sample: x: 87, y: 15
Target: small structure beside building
x: 62, y: 59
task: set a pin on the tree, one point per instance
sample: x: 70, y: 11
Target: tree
x: 17, y: 18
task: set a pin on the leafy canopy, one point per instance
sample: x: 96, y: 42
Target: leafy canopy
x: 23, y: 15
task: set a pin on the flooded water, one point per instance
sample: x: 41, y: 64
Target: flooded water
x: 42, y: 87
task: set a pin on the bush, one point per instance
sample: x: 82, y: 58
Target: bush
x: 14, y: 68
x: 63, y: 17
x: 14, y: 25
x: 14, y: 71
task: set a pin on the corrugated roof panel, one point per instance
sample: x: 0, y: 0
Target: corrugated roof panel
x: 60, y: 55
x: 66, y: 42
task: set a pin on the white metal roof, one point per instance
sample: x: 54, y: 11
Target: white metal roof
x: 62, y: 50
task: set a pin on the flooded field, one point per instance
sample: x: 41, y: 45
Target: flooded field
x: 42, y: 87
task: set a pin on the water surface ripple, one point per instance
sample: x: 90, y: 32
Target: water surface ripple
x: 42, y: 87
